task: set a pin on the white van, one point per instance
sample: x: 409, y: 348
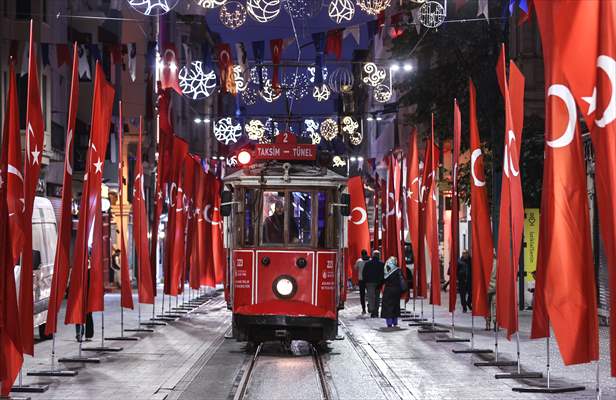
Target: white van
x: 44, y: 239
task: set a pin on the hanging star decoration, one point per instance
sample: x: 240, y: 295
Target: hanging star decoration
x: 338, y: 162
x: 249, y: 95
x: 263, y: 10
x: 382, y: 93
x: 226, y: 131
x: 255, y: 130
x: 431, y: 14
x: 232, y: 14
x: 296, y: 85
x: 341, y: 10
x: 240, y: 82
x: 210, y: 3
x: 153, y: 7
x: 373, y: 7
x: 351, y: 128
x: 312, y: 128
x: 322, y: 93
x: 196, y: 82
x: 329, y: 129
x: 373, y: 75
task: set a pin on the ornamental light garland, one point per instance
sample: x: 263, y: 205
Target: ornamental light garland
x: 255, y: 130
x: 153, y: 7
x: 210, y: 3
x: 382, y: 93
x: 268, y: 93
x: 240, y: 78
x: 329, y: 129
x: 373, y: 75
x: 249, y: 95
x: 296, y: 85
x: 373, y: 7
x: 263, y: 10
x: 341, y: 80
x: 312, y: 128
x: 226, y: 131
x: 312, y: 70
x: 196, y: 81
x: 321, y: 94
x: 302, y: 9
x: 351, y: 128
x: 431, y: 14
x: 338, y: 162
x: 341, y: 10
x: 232, y: 14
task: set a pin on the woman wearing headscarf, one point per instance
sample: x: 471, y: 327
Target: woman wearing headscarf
x: 392, y: 289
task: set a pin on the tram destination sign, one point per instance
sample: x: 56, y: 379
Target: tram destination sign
x: 285, y: 148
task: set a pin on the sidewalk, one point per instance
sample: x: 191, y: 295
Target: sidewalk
x: 430, y: 370
x: 145, y: 369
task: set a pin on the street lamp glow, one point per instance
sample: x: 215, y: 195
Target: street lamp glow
x: 369, y: 118
x: 206, y: 120
x: 353, y: 159
x: 408, y: 67
x: 197, y: 120
x: 379, y: 118
x: 395, y: 67
x: 360, y: 159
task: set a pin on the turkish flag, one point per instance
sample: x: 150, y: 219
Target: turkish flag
x: 454, y: 242
x: 126, y: 292
x: 192, y: 245
x: 145, y: 279
x: 565, y: 293
x: 63, y: 248
x: 481, y: 229
x: 11, y: 350
x: 89, y: 211
x: 511, y: 223
x: 376, y: 230
x: 169, y: 68
x: 204, y: 226
x: 421, y: 280
x: 225, y: 65
x: 431, y: 224
x: 276, y: 49
x: 413, y: 187
x: 393, y: 216
x: 218, y: 249
x: 358, y: 231
x: 197, y: 257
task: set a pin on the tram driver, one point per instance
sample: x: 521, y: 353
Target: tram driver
x: 273, y: 227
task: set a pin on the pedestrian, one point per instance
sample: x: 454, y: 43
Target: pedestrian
x: 372, y: 276
x: 465, y: 281
x: 359, y: 268
x: 88, y: 327
x: 393, y: 288
x: 491, y: 318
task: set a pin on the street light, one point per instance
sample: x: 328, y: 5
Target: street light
x: 369, y: 118
x: 206, y: 120
x: 197, y: 120
x: 395, y: 67
x: 408, y: 67
x: 379, y: 118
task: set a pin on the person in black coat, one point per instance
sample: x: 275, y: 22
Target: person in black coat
x: 372, y: 275
x: 391, y: 292
x: 465, y: 281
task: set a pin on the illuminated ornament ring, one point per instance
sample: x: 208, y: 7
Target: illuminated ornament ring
x: 302, y: 8
x: 338, y: 162
x: 196, y: 82
x: 431, y: 14
x: 296, y: 85
x: 351, y: 128
x: 382, y: 93
x: 241, y: 83
x: 312, y: 128
x: 210, y: 3
x: 321, y: 94
x: 226, y: 131
x: 341, y: 10
x: 329, y: 129
x: 373, y: 7
x: 268, y: 93
x: 153, y: 7
x: 263, y: 10
x: 255, y: 129
x: 341, y: 80
x: 249, y: 96
x: 311, y: 71
x: 232, y: 14
x: 373, y: 75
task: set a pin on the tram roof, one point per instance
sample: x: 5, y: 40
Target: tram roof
x: 273, y: 175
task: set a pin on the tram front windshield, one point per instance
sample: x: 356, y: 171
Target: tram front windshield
x: 287, y: 222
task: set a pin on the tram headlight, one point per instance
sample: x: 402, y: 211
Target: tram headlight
x: 284, y: 287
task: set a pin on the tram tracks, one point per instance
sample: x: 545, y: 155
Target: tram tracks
x: 249, y: 386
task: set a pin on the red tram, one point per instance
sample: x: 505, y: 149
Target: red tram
x: 285, y: 240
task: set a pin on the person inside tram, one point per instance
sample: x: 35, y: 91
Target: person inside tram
x: 273, y: 227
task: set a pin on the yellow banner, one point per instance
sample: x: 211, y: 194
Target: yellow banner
x: 531, y: 237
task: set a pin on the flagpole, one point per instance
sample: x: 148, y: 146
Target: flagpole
x: 53, y: 371
x: 472, y: 349
x: 431, y: 327
x: 102, y: 347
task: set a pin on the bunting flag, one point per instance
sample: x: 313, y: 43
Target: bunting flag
x: 319, y: 46
x: 333, y: 43
x: 431, y: 224
x: 78, y: 303
x: 258, y: 50
x: 132, y: 61
x: 126, y: 293
x: 454, y: 242
x: 25, y: 61
x: 188, y: 58
x: 481, y: 229
x: 61, y: 263
x: 413, y: 187
x: 84, y: 65
x: 11, y: 349
x: 482, y: 9
x: 358, y: 230
x: 206, y: 254
x: 576, y: 68
x: 145, y: 279
x: 63, y: 56
x: 225, y: 65
x: 511, y: 223
x: 397, y: 25
x: 352, y: 31
x: 169, y: 68
x: 35, y: 131
x: 242, y: 60
x: 276, y: 49
x: 417, y: 22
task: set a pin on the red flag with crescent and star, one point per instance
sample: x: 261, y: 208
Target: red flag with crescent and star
x: 169, y: 68
x: 393, y: 216
x: 511, y: 223
x: 432, y: 258
x: 219, y: 255
x: 481, y: 229
x: 63, y: 248
x: 190, y: 189
x: 225, y: 65
x: 126, y: 292
x: 79, y: 302
x: 11, y: 350
x: 358, y: 231
x: 565, y: 291
x: 454, y: 242
x: 421, y: 279
x: 145, y: 278
x: 198, y: 245
x: 413, y: 187
x: 276, y: 49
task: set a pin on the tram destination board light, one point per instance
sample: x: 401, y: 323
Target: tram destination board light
x: 286, y: 148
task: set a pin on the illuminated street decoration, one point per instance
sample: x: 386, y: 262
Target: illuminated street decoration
x: 338, y: 162
x: 351, y: 128
x: 312, y: 128
x: 311, y: 72
x: 296, y: 85
x: 153, y: 7
x: 271, y: 128
x: 263, y: 10
x: 249, y: 95
x: 321, y: 94
x: 268, y: 93
x: 382, y: 93
x: 373, y: 7
x: 210, y: 3
x: 226, y: 131
x: 255, y: 130
x: 431, y: 14
x: 373, y: 75
x: 341, y: 80
x: 302, y: 8
x: 341, y: 10
x: 329, y: 129
x: 240, y: 79
x: 232, y: 14
x: 231, y: 161
x: 196, y: 82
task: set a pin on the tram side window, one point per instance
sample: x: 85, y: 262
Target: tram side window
x: 250, y: 207
x: 300, y: 223
x: 322, y: 219
x: 273, y: 218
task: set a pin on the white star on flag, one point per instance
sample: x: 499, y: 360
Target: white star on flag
x: 592, y: 101
x: 35, y: 155
x: 99, y: 166
x: 160, y: 194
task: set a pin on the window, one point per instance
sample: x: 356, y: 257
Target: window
x: 322, y: 218
x: 300, y: 221
x: 273, y: 218
x: 250, y: 207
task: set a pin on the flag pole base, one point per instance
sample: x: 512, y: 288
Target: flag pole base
x: 549, y: 390
x: 163, y: 318
x: 173, y: 315
x: 154, y: 323
x: 29, y: 388
x: 139, y: 330
x: 519, y: 375
x: 123, y: 338
x: 495, y: 364
x: 85, y: 360
x: 103, y: 349
x: 452, y: 340
x: 414, y: 319
x: 14, y: 398
x: 425, y: 323
x: 179, y: 311
x: 472, y: 351
x: 432, y: 330
x: 53, y: 372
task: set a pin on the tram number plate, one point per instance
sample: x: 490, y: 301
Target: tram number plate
x: 286, y: 151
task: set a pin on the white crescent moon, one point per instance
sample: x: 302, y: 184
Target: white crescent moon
x: 181, y: 205
x: 364, y: 215
x: 391, y: 211
x: 12, y: 170
x: 206, y: 216
x: 608, y: 65
x: 514, y: 172
x: 69, y: 167
x: 563, y: 92
x: 171, y: 196
x: 474, y: 157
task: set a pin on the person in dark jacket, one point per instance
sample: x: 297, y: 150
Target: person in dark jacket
x: 465, y: 281
x: 373, y: 278
x: 391, y: 292
x: 359, y: 267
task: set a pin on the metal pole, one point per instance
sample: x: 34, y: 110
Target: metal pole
x: 422, y: 310
x: 139, y: 314
x: 102, y: 328
x: 517, y: 343
x: 547, y: 366
x: 495, y: 338
x: 162, y: 308
x: 53, y: 352
x: 432, y: 316
x: 121, y: 321
x: 598, y: 386
x: 453, y: 324
x: 472, y: 332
